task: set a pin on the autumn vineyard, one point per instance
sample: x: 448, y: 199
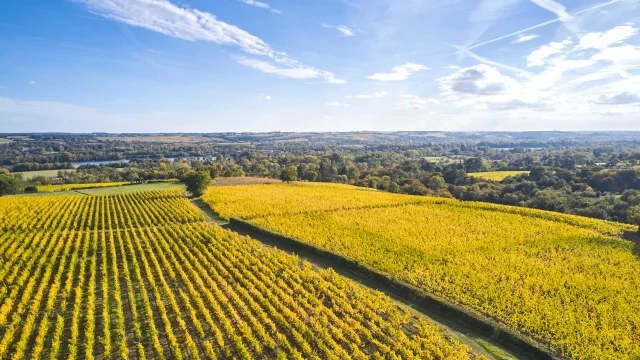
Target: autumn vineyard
x: 141, y: 275
x: 569, y: 283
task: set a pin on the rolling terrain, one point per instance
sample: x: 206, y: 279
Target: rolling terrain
x: 566, y: 282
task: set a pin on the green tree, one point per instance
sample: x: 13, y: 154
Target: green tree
x: 10, y: 185
x: 289, y: 173
x: 437, y: 182
x: 394, y: 187
x: 311, y: 176
x: 634, y: 216
x: 197, y: 182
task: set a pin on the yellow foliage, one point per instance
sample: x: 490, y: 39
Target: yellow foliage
x: 496, y: 175
x: 557, y: 278
x: 67, y: 187
x: 146, y: 265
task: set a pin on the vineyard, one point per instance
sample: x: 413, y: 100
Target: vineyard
x: 247, y: 202
x: 141, y: 275
x: 559, y: 279
x: 68, y: 187
x: 497, y: 175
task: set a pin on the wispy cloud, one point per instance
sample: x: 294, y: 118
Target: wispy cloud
x: 345, y: 30
x: 524, y: 38
x: 378, y: 95
x: 498, y: 64
x: 260, y: 4
x: 32, y: 82
x: 618, y: 99
x: 516, y: 33
x: 485, y: 15
x: 299, y: 72
x: 560, y: 11
x: 397, y: 73
x: 336, y: 104
x: 194, y: 25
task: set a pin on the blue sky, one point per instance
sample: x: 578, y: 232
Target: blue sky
x: 248, y: 65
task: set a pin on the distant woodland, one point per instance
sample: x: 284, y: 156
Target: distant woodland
x: 590, y: 174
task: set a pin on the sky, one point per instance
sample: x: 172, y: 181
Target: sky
x: 322, y: 65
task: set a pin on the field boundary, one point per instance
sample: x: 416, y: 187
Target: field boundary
x: 422, y: 300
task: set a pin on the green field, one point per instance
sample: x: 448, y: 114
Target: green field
x: 46, y: 173
x: 5, y: 141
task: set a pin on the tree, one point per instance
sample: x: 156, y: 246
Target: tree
x: 197, y: 182
x: 289, y: 173
x: 394, y: 187
x: 473, y: 164
x: 437, y: 182
x: 10, y: 185
x: 311, y: 176
x: 634, y: 216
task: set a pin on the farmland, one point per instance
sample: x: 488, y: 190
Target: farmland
x: 67, y: 187
x: 496, y: 175
x: 141, y: 275
x: 565, y: 281
x: 46, y: 173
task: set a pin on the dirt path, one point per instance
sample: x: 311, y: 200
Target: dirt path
x: 478, y: 341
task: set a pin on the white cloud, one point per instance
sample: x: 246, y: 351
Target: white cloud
x: 260, y: 4
x: 32, y: 82
x: 336, y: 104
x: 520, y: 72
x: 538, y: 57
x: 345, y: 30
x: 617, y: 113
x: 267, y: 97
x: 399, y: 72
x: 378, y: 95
x: 596, y: 40
x: 556, y: 69
x: 524, y: 38
x: 618, y: 99
x: 193, y: 25
x: 299, y: 72
x: 626, y: 55
x: 560, y: 11
x: 452, y: 67
x: 477, y: 80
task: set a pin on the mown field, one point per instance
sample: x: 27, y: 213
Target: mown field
x: 141, y: 275
x: 496, y: 175
x: 46, y: 173
x: 570, y: 283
